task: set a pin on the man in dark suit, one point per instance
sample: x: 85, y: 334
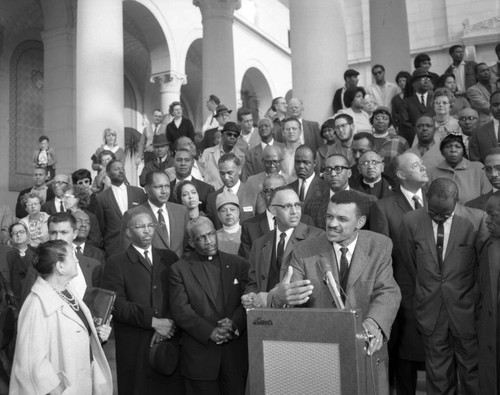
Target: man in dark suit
x: 270, y: 252
x: 162, y: 159
x: 492, y: 171
x: 145, y: 148
x: 488, y: 325
x: 183, y: 165
x: 80, y: 243
x: 261, y: 224
x: 62, y: 226
x: 418, y: 104
x: 230, y: 170
x: 60, y: 184
x: 486, y: 136
x: 372, y: 180
x: 171, y: 218
x: 309, y: 187
x: 440, y: 247
x: 39, y: 187
x: 253, y: 158
x: 114, y: 202
x: 351, y: 81
x: 405, y: 347
x: 141, y: 316
x: 463, y: 70
x: 361, y: 264
x: 205, y: 292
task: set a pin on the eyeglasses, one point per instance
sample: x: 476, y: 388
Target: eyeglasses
x: 86, y: 181
x: 60, y: 183
x: 489, y: 169
x: 233, y: 135
x: 381, y: 118
x: 471, y: 118
x: 288, y: 206
x: 367, y: 163
x: 151, y: 226
x: 18, y: 233
x: 272, y: 162
x: 443, y: 103
x: 336, y: 169
x: 204, y: 238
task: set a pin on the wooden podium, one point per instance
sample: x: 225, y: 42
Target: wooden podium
x: 305, y: 351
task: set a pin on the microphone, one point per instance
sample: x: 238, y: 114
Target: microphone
x: 326, y: 268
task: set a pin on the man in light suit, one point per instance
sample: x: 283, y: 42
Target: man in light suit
x: 141, y: 316
x: 495, y: 67
x: 230, y: 170
x: 440, y: 248
x: 270, y: 252
x: 479, y: 94
x: 205, y: 292
x: 362, y: 265
x: 405, y: 347
x: 249, y: 137
x: 486, y: 136
x: 309, y: 187
x: 253, y: 158
x: 113, y: 203
x: 492, y: 171
x: 170, y: 218
x: 145, y: 148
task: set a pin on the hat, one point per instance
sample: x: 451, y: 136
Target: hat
x: 221, y: 109
x: 231, y: 127
x: 160, y: 139
x: 164, y: 356
x: 420, y: 73
x: 380, y: 109
x: 350, y: 73
x: 225, y: 198
x: 454, y: 135
x: 215, y: 99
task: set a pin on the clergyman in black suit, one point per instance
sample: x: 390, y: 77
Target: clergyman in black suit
x: 492, y: 170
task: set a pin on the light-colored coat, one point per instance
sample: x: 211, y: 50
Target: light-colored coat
x: 53, y: 346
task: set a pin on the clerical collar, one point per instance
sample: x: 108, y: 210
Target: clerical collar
x: 372, y: 184
x: 205, y: 258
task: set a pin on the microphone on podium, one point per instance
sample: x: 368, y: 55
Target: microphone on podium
x: 326, y: 268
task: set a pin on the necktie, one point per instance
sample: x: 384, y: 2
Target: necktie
x: 302, y: 191
x: 416, y: 202
x: 146, y: 256
x: 281, y: 250
x: 163, y: 224
x: 78, y: 250
x: 61, y: 207
x: 440, y: 243
x: 422, y: 100
x: 344, y: 269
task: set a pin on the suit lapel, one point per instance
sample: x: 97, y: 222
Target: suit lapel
x: 200, y: 275
x: 402, y: 202
x: 264, y: 225
x: 358, y: 263
x: 429, y: 235
x: 159, y: 231
x: 267, y: 254
x: 491, y: 133
x: 136, y: 258
x: 114, y: 203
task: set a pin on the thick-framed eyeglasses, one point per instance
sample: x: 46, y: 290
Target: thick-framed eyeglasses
x: 373, y: 162
x: 151, y: 226
x: 336, y: 169
x: 381, y: 118
x: 18, y: 233
x: 288, y: 206
x: 272, y: 162
x: 85, y: 181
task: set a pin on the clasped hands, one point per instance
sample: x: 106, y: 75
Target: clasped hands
x: 223, y: 332
x: 164, y: 329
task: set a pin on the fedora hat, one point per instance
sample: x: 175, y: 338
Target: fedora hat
x: 221, y: 109
x: 420, y: 73
x: 164, y: 356
x: 231, y: 127
x: 160, y: 139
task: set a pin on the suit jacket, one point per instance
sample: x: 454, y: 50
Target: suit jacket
x: 146, y: 141
x: 91, y: 269
x: 185, y: 128
x: 456, y: 285
x: 95, y: 253
x: 247, y: 205
x: 256, y: 227
x: 480, y: 202
x: 178, y: 238
x: 385, y: 218
x: 254, y: 185
x: 314, y: 200
x: 262, y: 251
x: 153, y: 165
x: 202, y: 188
x: 20, y: 210
x: 385, y: 187
x: 487, y: 335
x: 110, y: 217
x: 141, y: 294
x: 495, y: 72
x: 337, y: 101
x: 482, y: 141
x: 196, y: 312
x: 371, y: 287
x: 411, y: 110
x: 253, y: 161
x: 469, y: 74
x: 209, y: 162
x: 479, y: 99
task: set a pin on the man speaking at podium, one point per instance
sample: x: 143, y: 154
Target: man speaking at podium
x: 361, y: 264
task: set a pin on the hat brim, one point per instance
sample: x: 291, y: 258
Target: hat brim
x: 164, y: 357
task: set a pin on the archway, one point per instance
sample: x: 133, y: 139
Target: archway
x: 255, y: 93
x: 191, y: 93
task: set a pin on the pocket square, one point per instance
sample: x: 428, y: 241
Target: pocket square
x: 135, y: 203
x: 235, y: 282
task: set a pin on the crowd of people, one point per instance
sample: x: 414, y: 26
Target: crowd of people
x: 396, y: 193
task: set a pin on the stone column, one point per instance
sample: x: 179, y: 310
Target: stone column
x: 389, y: 36
x: 59, y: 95
x: 218, y: 50
x: 319, y: 54
x: 170, y: 84
x: 99, y: 75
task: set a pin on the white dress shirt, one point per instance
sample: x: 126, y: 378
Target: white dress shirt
x: 308, y: 184
x: 234, y: 189
x: 447, y: 228
x: 270, y: 220
x: 350, y: 251
x: 78, y: 284
x: 409, y: 196
x: 287, y: 238
x: 165, y: 215
x: 142, y: 250
x: 121, y: 196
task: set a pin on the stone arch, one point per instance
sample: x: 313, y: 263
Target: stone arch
x: 255, y: 92
x: 191, y: 93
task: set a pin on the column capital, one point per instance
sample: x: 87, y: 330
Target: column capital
x: 217, y: 8
x: 169, y: 81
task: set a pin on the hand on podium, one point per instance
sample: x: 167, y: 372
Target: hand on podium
x: 291, y: 294
x: 375, y: 337
x: 254, y: 301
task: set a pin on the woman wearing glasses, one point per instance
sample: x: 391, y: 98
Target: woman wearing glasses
x: 36, y: 220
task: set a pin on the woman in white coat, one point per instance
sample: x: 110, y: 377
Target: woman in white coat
x: 58, y: 349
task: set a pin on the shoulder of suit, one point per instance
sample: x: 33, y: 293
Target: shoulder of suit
x: 89, y: 260
x: 231, y: 258
x: 367, y: 236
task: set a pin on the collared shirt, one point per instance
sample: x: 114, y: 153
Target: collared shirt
x: 82, y: 247
x: 57, y: 203
x: 409, y: 196
x: 301, y: 138
x: 246, y: 137
x: 164, y: 212
x: 419, y: 96
x: 372, y: 184
x: 270, y: 220
x: 210, y: 123
x: 447, y: 227
x: 308, y: 184
x: 264, y: 145
x: 496, y: 122
x: 142, y: 250
x: 188, y: 178
x: 287, y: 237
x: 234, y: 189
x: 79, y: 284
x: 350, y: 251
x: 459, y: 73
x: 195, y: 171
x: 121, y: 196
x: 346, y: 189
